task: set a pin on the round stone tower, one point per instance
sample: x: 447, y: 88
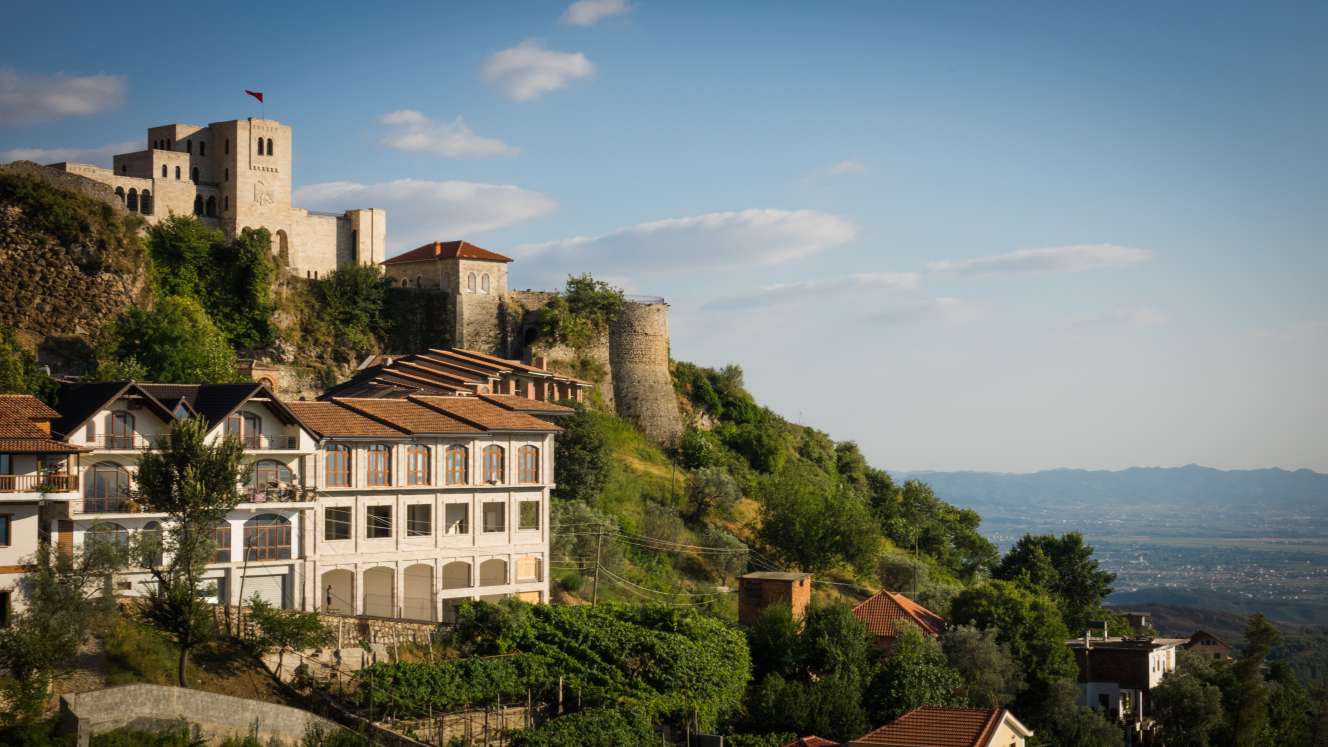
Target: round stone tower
x: 639, y: 356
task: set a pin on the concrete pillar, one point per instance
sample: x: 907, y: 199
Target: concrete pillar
x: 358, y: 590
x: 398, y: 589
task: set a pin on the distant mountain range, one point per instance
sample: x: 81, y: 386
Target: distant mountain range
x: 1191, y: 485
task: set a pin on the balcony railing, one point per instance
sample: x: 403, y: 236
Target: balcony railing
x: 277, y: 494
x: 121, y: 504
x: 264, y: 442
x: 255, y: 442
x: 38, y: 483
x: 121, y: 441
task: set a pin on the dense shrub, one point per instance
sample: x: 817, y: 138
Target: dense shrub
x: 582, y: 457
x: 19, y: 372
x: 104, y: 238
x: 580, y: 315
x: 599, y: 727
x: 175, y: 343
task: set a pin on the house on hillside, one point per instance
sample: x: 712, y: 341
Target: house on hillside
x: 1119, y: 674
x: 452, y: 371
x: 38, y: 473
x: 1208, y: 646
x: 933, y: 726
x: 883, y: 613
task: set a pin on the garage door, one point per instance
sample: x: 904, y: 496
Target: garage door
x: 271, y: 589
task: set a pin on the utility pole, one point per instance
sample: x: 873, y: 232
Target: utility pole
x: 594, y: 592
x: 915, y: 565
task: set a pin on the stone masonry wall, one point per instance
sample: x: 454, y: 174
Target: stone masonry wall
x: 642, y: 385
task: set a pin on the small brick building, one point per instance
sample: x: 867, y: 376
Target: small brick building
x: 757, y: 591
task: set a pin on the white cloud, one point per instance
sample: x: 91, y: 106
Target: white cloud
x: 850, y: 166
x: 528, y: 70
x: 788, y: 293
x: 944, y: 309
x: 702, y: 242
x: 591, y: 12
x: 1051, y: 259
x: 1139, y: 316
x: 421, y: 211
x: 413, y: 132
x: 28, y: 98
x: 100, y: 156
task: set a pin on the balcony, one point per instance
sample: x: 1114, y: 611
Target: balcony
x: 277, y: 494
x: 264, y: 442
x: 121, y: 441
x: 38, y: 483
x: 122, y: 504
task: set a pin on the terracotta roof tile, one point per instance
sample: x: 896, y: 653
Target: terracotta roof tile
x: 526, y: 404
x: 43, y: 445
x: 25, y: 406
x: 881, y: 613
x: 486, y: 415
x: 931, y: 726
x: 447, y: 250
x: 812, y: 741
x: 331, y: 419
x: 409, y: 415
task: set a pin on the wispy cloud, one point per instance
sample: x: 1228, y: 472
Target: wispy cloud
x: 528, y: 70
x: 849, y: 166
x: 424, y: 211
x: 28, y: 98
x: 788, y: 293
x: 413, y: 132
x: 1051, y: 259
x: 100, y: 156
x: 1138, y: 316
x: 591, y: 12
x: 701, y: 242
x: 943, y: 309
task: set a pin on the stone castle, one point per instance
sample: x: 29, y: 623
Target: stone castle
x: 235, y: 175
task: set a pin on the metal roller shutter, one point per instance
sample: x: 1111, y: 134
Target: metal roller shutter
x: 271, y: 589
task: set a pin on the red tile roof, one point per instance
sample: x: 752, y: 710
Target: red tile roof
x: 447, y: 250
x: 331, y: 419
x: 881, y: 613
x: 19, y: 429
x: 526, y: 404
x: 25, y: 406
x: 812, y: 741
x: 408, y: 415
x: 931, y: 726
x: 488, y: 416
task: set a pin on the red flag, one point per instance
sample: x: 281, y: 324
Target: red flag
x: 256, y: 94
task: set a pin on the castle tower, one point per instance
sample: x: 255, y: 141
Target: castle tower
x: 642, y: 384
x: 475, y: 278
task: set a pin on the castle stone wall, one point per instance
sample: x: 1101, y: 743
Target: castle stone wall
x: 642, y: 385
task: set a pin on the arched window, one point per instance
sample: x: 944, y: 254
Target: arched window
x: 119, y: 430
x: 106, y: 488
x: 337, y: 465
x: 379, y: 464
x: 260, y: 146
x: 283, y: 247
x: 119, y: 192
x: 212, y: 207
x: 164, y: 171
x: 269, y: 474
x: 177, y: 173
x: 470, y: 282
x: 458, y: 460
x: 145, y: 202
x: 193, y: 175
x: 269, y: 147
x: 106, y: 533
x: 198, y: 204
x: 189, y: 146
x: 493, y: 463
x: 527, y: 464
x: 202, y: 149
x: 417, y: 464
x: 267, y: 537
x: 419, y: 281
x: 132, y: 202
x: 151, y: 539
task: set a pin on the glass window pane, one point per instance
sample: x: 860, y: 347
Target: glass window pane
x: 379, y: 522
x: 529, y: 515
x: 419, y: 520
x: 456, y: 518
x: 495, y: 515
x: 336, y: 523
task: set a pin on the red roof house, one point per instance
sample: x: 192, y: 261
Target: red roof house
x: 883, y: 613
x: 932, y: 726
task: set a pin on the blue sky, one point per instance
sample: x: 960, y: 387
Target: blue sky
x: 968, y: 236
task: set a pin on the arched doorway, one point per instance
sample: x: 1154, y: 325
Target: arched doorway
x: 417, y: 592
x: 337, y: 591
x: 456, y: 575
x: 283, y: 247
x: 493, y: 572
x: 379, y: 587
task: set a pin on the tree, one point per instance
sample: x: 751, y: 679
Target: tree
x: 774, y: 645
x: 580, y: 534
x: 733, y: 560
x: 915, y: 674
x: 699, y: 449
x: 19, y: 371
x: 711, y: 489
x: 661, y: 522
x: 1290, y: 709
x: 63, y: 600
x: 174, y: 343
x: 348, y: 305
x: 1064, y: 567
x: 989, y: 675
x: 1250, y: 718
x: 287, y: 629
x: 1064, y: 723
x: 582, y: 456
x: 195, y: 483
x: 758, y: 443
x: 1186, y: 709
x: 581, y: 314
x: 809, y: 521
x: 1030, y: 625
x: 830, y: 707
x: 835, y: 642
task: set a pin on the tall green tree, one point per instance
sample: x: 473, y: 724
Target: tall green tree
x: 19, y: 371
x: 582, y: 456
x: 711, y: 489
x: 287, y: 629
x: 1063, y: 567
x: 195, y: 483
x: 1250, y: 719
x: 989, y: 675
x: 175, y: 343
x: 834, y: 641
x: 813, y: 523
x: 915, y: 674
x: 1187, y: 710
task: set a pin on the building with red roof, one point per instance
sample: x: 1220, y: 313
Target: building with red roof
x: 935, y: 726
x: 884, y: 612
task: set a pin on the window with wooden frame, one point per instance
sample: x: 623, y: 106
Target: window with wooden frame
x: 119, y: 430
x: 527, y: 464
x: 378, y: 522
x: 6, y: 529
x: 417, y: 464
x: 247, y: 427
x: 267, y: 537
x: 493, y: 464
x: 336, y: 523
x: 419, y: 520
x: 495, y: 516
x: 378, y: 465
x: 458, y: 465
x: 336, y: 470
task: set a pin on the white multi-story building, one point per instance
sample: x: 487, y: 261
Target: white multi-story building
x: 387, y: 507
